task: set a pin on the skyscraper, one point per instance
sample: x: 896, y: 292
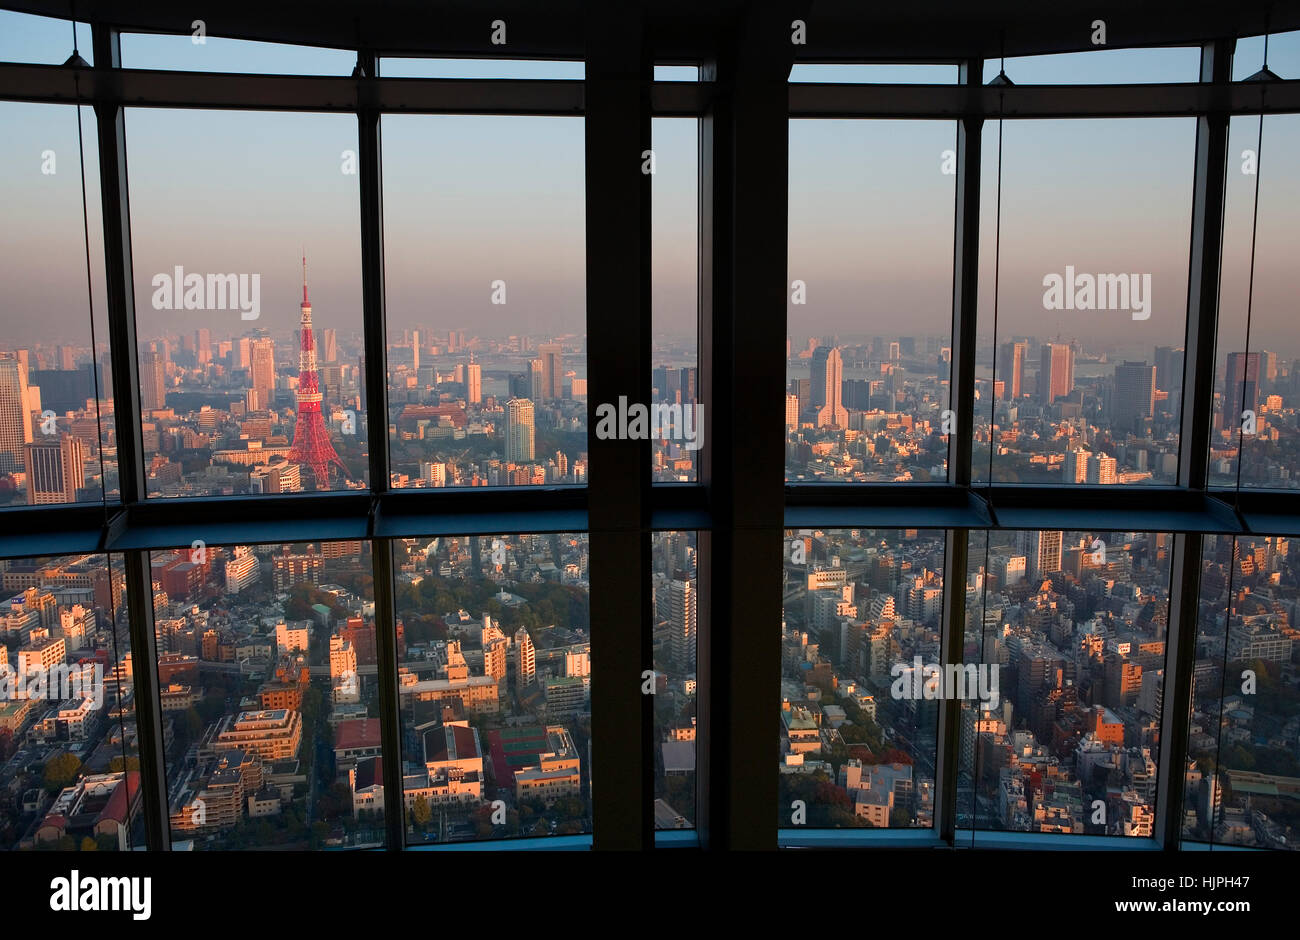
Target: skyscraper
x: 203, y: 345
x: 15, y: 413
x: 681, y: 621
x: 331, y: 343
x: 817, y: 378
x: 536, y: 380
x: 519, y: 430
x: 832, y: 411
x: 791, y: 411
x: 415, y: 350
x: 1011, y: 368
x: 474, y: 383
x: 525, y: 659
x: 55, y: 470
x: 1135, y: 394
x: 152, y: 380
x: 262, y: 369
x: 552, y: 360
x: 1169, y: 368
x: 1043, y: 553
x: 1055, y: 372
x: 1241, y: 387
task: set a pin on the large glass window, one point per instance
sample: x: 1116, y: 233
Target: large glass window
x: 860, y: 635
x: 245, y: 231
x: 494, y: 678
x: 1083, y: 301
x: 485, y: 280
x: 1070, y: 628
x: 870, y: 300
x: 676, y: 655
x: 69, y: 763
x: 57, y: 439
x: 267, y: 677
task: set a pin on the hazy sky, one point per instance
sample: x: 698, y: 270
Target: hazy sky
x: 472, y: 199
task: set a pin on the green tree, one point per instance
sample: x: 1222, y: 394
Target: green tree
x: 420, y: 812
x: 60, y: 771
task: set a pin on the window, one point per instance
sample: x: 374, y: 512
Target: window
x: 67, y: 713
x: 1083, y: 301
x: 860, y: 637
x: 57, y: 440
x: 870, y: 301
x: 676, y: 657
x: 267, y: 685
x: 494, y: 679
x: 483, y: 228
x: 245, y: 390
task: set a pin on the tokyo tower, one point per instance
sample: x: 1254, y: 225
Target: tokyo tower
x: 311, y: 442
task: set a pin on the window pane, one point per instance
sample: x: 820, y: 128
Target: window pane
x: 1071, y: 627
x: 413, y: 67
x: 67, y: 719
x: 41, y: 40
x: 676, y: 614
x: 1079, y: 369
x: 853, y: 73
x: 1102, y: 66
x: 675, y: 297
x: 677, y: 73
x: 485, y: 254
x: 863, y: 607
x: 57, y: 440
x: 237, y: 397
x: 1283, y: 56
x: 199, y: 52
x: 494, y: 676
x: 870, y: 242
x: 1242, y: 769
x: 1257, y: 382
x: 268, y: 682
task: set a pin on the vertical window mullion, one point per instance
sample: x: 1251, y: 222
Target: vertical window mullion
x: 618, y: 74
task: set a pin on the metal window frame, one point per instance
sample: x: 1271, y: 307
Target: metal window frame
x: 744, y: 103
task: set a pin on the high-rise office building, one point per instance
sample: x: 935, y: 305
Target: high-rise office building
x: 67, y: 358
x: 817, y: 378
x: 474, y: 383
x: 1075, y: 468
x: 153, y: 380
x: 536, y: 380
x: 203, y: 345
x: 519, y: 430
x: 15, y: 413
x: 1241, y: 387
x: 331, y: 344
x: 242, y: 351
x: 1135, y: 394
x: 262, y: 377
x: 525, y: 659
x: 681, y: 621
x: 415, y: 350
x: 791, y: 411
x: 1043, y: 553
x: 1101, y: 470
x: 552, y: 359
x: 832, y: 411
x: 1055, y: 372
x: 1169, y: 368
x: 55, y: 470
x: 1011, y: 368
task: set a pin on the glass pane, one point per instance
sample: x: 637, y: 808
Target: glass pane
x: 675, y: 297
x: 485, y: 258
x: 676, y: 614
x: 245, y: 391
x: 413, y: 67
x: 41, y: 40
x: 67, y: 719
x: 861, y: 621
x: 677, y: 73
x: 494, y: 677
x: 57, y: 439
x: 1241, y: 769
x: 196, y: 51
x: 870, y: 243
x: 268, y: 683
x: 1070, y: 629
x: 1257, y: 373
x: 1283, y: 56
x: 1091, y: 301
x: 853, y: 73
x: 1102, y: 66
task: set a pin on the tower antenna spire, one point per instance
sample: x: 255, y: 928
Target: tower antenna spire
x: 304, y: 276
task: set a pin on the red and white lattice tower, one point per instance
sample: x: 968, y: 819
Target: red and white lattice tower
x: 311, y: 442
